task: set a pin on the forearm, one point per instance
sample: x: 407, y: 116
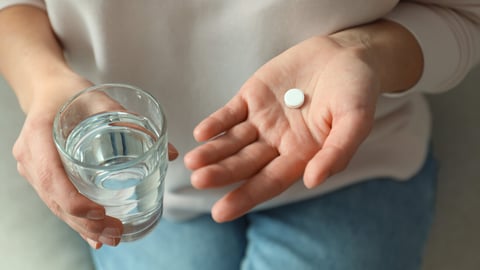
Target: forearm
x: 392, y: 51
x: 31, y: 55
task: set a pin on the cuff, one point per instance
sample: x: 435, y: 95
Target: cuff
x: 441, y: 51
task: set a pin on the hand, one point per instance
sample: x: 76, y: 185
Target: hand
x: 39, y: 162
x: 257, y: 141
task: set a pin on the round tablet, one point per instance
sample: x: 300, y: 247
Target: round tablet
x: 294, y: 98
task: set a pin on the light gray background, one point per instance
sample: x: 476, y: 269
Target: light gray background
x: 32, y: 238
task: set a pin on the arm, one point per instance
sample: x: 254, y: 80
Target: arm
x: 448, y: 32
x: 399, y: 65
x: 342, y: 75
x: 32, y: 57
x: 33, y: 64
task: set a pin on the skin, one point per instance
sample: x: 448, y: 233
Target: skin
x: 254, y: 139
x: 268, y: 146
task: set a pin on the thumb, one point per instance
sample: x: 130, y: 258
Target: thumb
x: 339, y: 147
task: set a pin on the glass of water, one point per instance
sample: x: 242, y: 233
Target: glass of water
x: 112, y: 140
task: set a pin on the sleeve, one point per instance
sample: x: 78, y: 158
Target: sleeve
x: 448, y: 32
x: 7, y: 3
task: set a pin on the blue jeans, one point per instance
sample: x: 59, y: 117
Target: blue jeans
x: 376, y: 225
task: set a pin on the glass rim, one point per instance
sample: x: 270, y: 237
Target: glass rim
x: 136, y: 160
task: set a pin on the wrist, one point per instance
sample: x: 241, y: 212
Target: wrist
x: 32, y: 60
x: 46, y: 96
x: 391, y: 50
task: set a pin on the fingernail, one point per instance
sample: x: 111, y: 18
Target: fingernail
x: 95, y: 214
x: 110, y: 236
x: 94, y: 244
x: 309, y: 184
x: 313, y: 183
x: 111, y: 232
x: 111, y: 241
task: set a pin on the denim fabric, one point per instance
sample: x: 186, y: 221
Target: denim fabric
x: 376, y: 225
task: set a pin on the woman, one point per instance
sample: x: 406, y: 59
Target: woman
x: 345, y: 181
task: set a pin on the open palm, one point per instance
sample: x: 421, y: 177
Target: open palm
x: 257, y: 141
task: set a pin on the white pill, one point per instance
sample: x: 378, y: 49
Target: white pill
x: 294, y: 98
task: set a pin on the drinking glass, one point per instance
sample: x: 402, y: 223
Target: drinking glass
x: 112, y: 140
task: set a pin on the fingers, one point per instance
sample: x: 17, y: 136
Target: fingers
x: 92, y: 243
x: 223, y: 146
x: 244, y: 164
x: 51, y: 182
x: 48, y: 178
x: 80, y: 213
x: 342, y: 142
x: 325, y: 163
x: 107, y: 231
x: 76, y: 211
x: 40, y: 164
x: 275, y: 178
x: 234, y: 112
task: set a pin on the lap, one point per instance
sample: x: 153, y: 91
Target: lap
x: 379, y: 224
x: 197, y: 244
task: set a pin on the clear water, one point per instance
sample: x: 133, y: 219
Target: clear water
x: 126, y: 177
